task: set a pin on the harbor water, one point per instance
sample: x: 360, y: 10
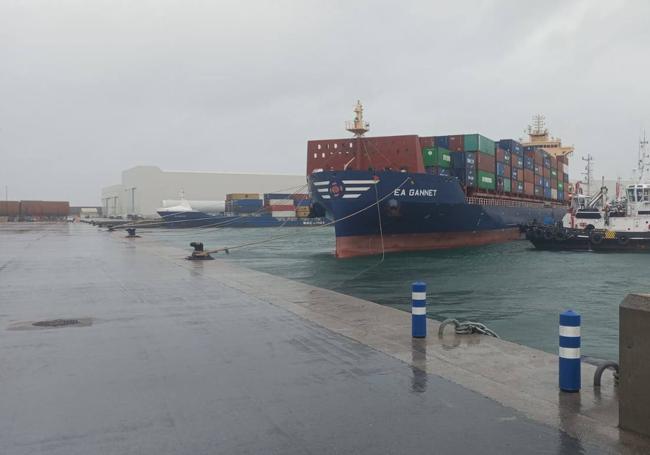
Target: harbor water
x: 512, y: 288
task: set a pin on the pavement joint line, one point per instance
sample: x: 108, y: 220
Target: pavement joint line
x: 541, y: 404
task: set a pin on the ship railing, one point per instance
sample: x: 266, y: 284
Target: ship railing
x: 507, y: 202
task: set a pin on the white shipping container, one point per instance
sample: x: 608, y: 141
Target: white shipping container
x: 553, y: 194
x: 280, y: 202
x: 284, y: 214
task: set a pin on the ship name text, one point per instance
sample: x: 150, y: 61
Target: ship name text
x: 415, y: 192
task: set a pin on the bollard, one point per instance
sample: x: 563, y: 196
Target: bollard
x: 569, y: 351
x: 419, y: 309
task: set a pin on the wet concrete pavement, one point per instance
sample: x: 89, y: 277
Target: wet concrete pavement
x: 198, y: 358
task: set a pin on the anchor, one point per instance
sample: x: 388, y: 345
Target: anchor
x: 199, y: 254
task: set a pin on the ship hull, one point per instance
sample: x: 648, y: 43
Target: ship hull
x: 394, y: 211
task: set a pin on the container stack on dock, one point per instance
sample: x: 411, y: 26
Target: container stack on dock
x: 503, y: 167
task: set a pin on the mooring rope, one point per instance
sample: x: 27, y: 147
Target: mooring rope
x: 331, y: 223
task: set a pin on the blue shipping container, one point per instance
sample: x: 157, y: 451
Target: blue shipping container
x: 511, y: 146
x: 506, y: 157
x: 547, y: 162
x: 519, y: 187
x: 268, y: 196
x: 529, y: 163
x: 441, y: 141
x: 560, y: 195
x: 501, y: 169
x: 518, y: 161
x: 547, y: 193
x: 547, y: 183
x: 515, y: 173
x: 539, y: 180
x: 458, y: 160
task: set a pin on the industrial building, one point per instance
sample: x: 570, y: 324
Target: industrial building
x: 143, y: 188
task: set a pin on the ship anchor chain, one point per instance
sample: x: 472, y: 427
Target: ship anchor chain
x: 466, y: 328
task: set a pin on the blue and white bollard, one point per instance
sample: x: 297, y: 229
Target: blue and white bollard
x: 419, y: 309
x: 569, y: 351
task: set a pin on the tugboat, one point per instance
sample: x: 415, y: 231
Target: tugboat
x: 596, y: 224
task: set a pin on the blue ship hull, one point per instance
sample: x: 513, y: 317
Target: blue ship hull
x: 187, y: 219
x: 392, y: 211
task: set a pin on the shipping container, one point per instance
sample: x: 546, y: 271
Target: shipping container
x: 539, y: 157
x: 538, y: 169
x: 546, y: 172
x: 560, y: 195
x: 553, y: 173
x: 553, y: 183
x: 566, y: 178
x: 486, y: 180
x: 280, y: 202
x: 507, y: 185
x: 553, y: 193
x: 442, y: 141
x: 507, y: 158
x: 466, y: 176
x: 436, y: 156
x: 501, y: 169
x: 529, y: 163
x: 269, y: 196
x: 236, y: 196
x: 478, y: 143
x: 284, y: 214
x: 44, y: 209
x: 281, y: 207
x: 547, y: 193
x: 302, y: 202
x: 529, y: 188
x: 485, y: 162
x: 500, y: 155
x: 547, y: 183
x: 515, y: 173
x: 518, y: 187
x: 547, y: 162
x: 511, y: 146
x: 539, y: 191
x: 456, y: 143
x: 529, y: 176
x: 539, y: 180
x: 9, y: 209
x: 560, y: 186
x: 517, y: 161
x: 297, y: 197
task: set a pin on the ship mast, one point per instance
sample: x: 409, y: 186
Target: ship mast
x: 589, y: 171
x: 644, y: 154
x: 357, y: 126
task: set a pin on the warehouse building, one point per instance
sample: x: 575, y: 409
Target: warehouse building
x: 143, y: 188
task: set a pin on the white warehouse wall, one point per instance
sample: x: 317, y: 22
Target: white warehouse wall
x: 143, y: 188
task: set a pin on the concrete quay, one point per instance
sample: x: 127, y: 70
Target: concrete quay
x: 179, y: 357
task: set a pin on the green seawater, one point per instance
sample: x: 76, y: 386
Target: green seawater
x: 512, y: 288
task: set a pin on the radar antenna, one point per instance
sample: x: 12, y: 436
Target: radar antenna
x: 357, y: 126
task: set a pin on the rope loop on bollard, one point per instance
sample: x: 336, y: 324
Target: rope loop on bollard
x: 466, y: 328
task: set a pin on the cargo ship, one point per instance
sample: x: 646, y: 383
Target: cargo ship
x: 241, y: 210
x: 410, y: 192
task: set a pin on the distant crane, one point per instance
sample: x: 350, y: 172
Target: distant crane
x: 589, y: 171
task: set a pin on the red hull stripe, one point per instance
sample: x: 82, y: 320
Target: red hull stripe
x: 365, y: 245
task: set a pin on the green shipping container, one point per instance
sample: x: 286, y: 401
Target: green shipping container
x: 507, y: 185
x: 436, y: 156
x: 486, y: 180
x: 476, y: 142
x: 560, y: 186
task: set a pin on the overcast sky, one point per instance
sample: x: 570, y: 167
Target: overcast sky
x: 90, y: 88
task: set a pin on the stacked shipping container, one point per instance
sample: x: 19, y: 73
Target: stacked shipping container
x: 504, y: 166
